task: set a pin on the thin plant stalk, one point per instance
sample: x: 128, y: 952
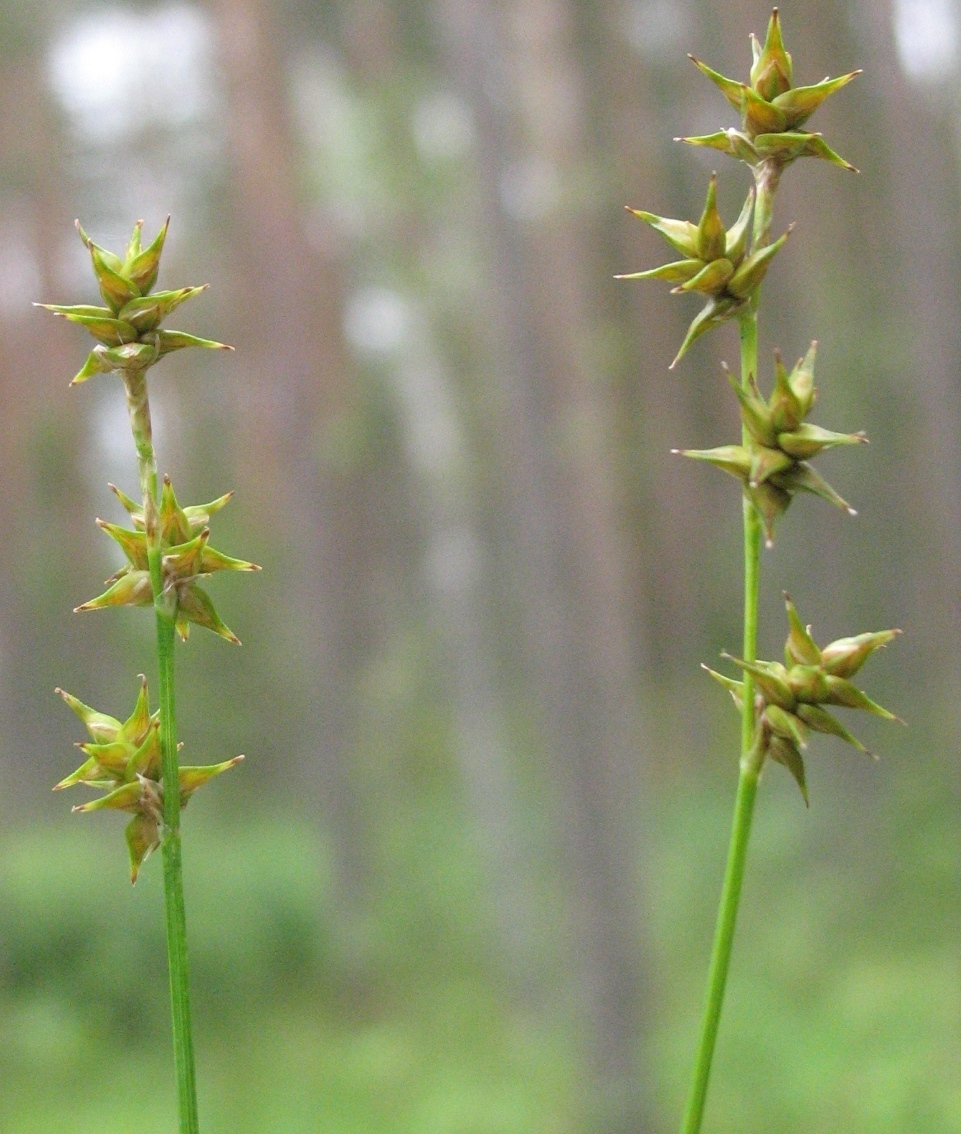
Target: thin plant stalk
x: 752, y: 757
x: 770, y: 461
x: 767, y: 176
x: 723, y: 939
x: 165, y: 607
x: 135, y: 762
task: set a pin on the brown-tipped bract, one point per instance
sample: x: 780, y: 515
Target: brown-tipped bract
x: 127, y: 330
x: 772, y: 110
x: 124, y: 762
x: 790, y: 699
x: 715, y: 264
x: 773, y: 463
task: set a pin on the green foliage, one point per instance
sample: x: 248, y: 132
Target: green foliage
x: 297, y: 1038
x: 842, y: 1012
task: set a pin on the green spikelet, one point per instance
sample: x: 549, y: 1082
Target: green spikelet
x: 124, y: 763
x: 186, y: 557
x: 791, y: 698
x: 772, y: 111
x: 127, y: 330
x: 715, y: 264
x: 772, y: 464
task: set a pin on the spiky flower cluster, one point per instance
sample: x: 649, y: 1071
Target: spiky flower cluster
x: 167, y: 548
x: 186, y: 557
x: 774, y: 463
x: 790, y: 698
x: 772, y: 110
x: 127, y: 330
x: 123, y: 761
x: 715, y: 262
x: 772, y: 113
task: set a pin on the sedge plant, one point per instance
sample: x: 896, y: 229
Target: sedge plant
x: 134, y: 763
x: 779, y: 704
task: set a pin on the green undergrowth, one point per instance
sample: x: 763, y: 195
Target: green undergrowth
x: 405, y: 1025
x: 844, y: 998
x: 304, y: 1028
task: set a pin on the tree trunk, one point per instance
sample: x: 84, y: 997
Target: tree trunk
x: 298, y: 397
x: 562, y: 536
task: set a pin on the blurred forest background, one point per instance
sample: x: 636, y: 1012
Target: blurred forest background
x: 465, y: 882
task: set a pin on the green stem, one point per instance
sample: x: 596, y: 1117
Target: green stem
x: 750, y: 768
x: 747, y: 326
x: 723, y: 940
x: 165, y: 607
x: 767, y: 175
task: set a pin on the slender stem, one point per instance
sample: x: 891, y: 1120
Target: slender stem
x: 767, y: 175
x: 165, y: 607
x: 750, y: 766
x: 747, y: 326
x: 723, y: 940
x: 173, y: 889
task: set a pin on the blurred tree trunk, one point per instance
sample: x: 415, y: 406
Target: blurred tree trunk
x: 563, y: 542
x: 452, y: 564
x: 636, y: 91
x: 298, y: 399
x: 921, y: 209
x: 45, y: 502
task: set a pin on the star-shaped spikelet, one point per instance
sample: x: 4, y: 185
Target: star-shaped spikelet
x: 790, y: 699
x: 772, y: 111
x: 186, y: 557
x: 715, y: 264
x: 127, y: 330
x: 773, y: 465
x: 124, y: 762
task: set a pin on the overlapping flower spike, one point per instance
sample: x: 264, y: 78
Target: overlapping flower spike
x: 772, y: 110
x: 715, y: 262
x: 773, y: 465
x: 790, y: 698
x: 127, y: 330
x: 187, y: 557
x: 124, y: 762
